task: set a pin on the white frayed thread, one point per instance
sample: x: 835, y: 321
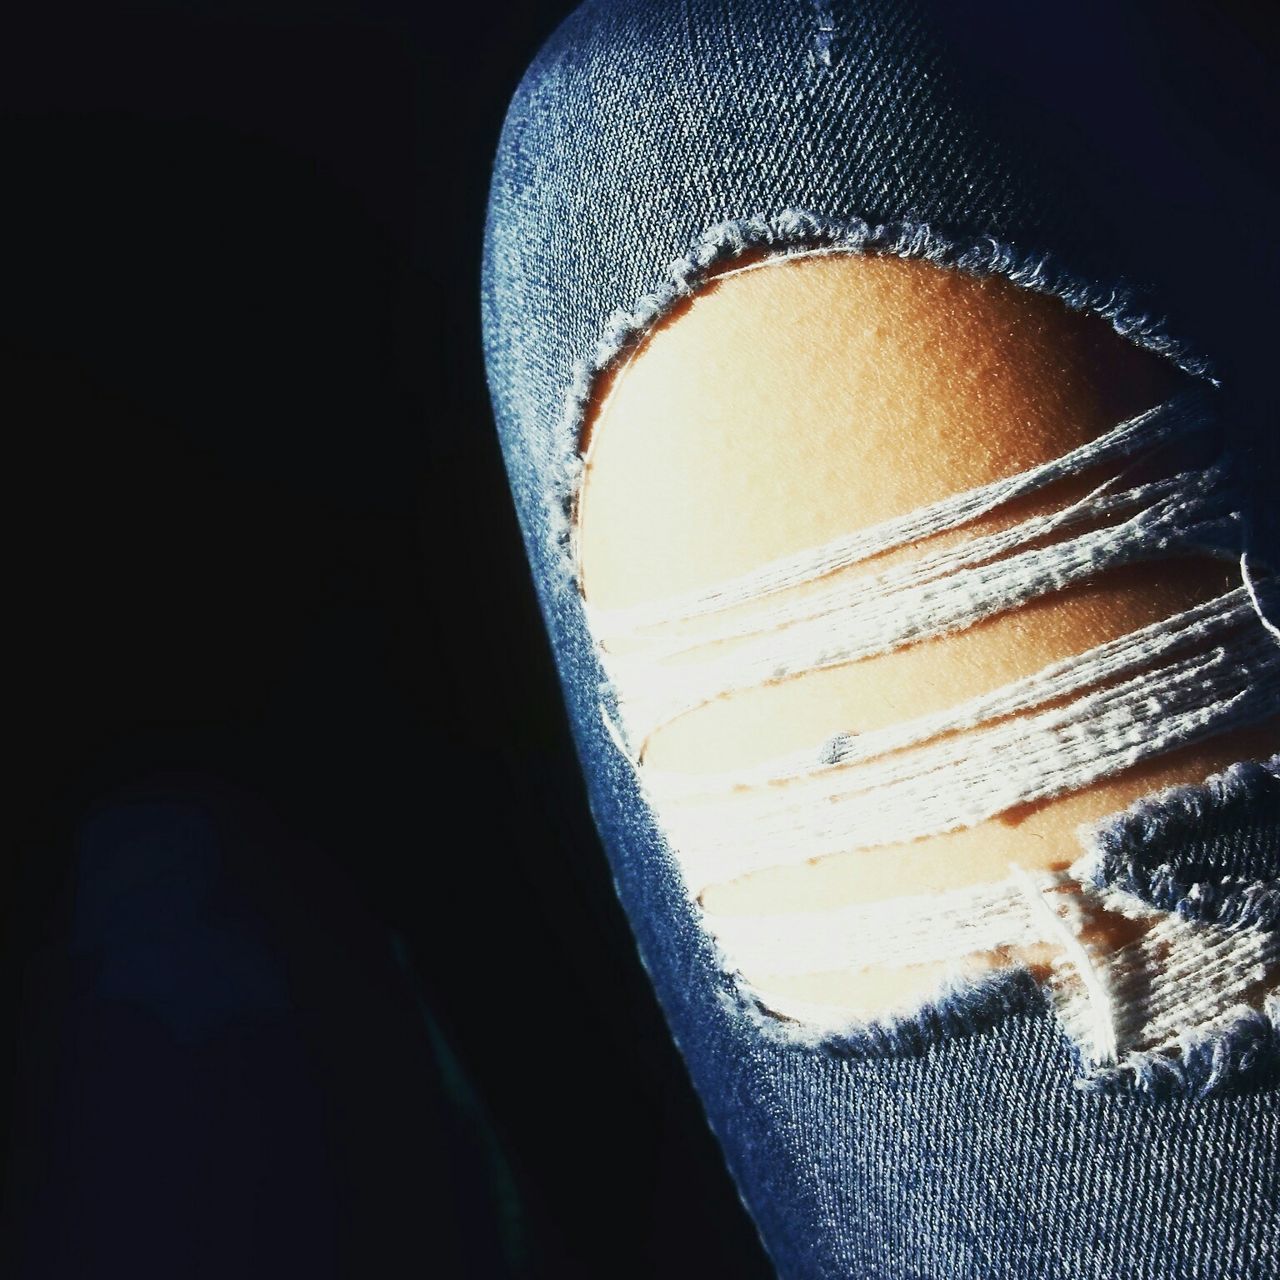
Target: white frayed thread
x: 1174, y: 419
x: 1180, y: 982
x: 1199, y: 673
x: 1124, y: 656
x: 963, y: 779
x: 1246, y: 576
x: 1098, y: 1025
x: 661, y: 672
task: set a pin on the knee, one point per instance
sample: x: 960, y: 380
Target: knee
x: 642, y: 130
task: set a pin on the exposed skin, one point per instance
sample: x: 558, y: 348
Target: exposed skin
x: 796, y: 401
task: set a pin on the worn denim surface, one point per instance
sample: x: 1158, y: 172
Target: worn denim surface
x: 965, y: 1149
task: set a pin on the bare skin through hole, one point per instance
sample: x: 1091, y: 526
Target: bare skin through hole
x: 797, y: 401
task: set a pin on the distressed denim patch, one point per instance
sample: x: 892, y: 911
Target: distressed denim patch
x: 1126, y: 1022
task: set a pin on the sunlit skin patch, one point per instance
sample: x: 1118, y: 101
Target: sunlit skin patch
x: 794, y: 402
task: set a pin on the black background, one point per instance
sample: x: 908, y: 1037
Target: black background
x: 264, y: 570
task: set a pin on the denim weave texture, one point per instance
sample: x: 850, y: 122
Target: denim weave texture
x: 956, y: 1146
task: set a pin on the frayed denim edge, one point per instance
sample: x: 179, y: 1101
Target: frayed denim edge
x: 968, y: 1007
x: 1117, y: 850
x: 1242, y: 1057
x: 795, y: 231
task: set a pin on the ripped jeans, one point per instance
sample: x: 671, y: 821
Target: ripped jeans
x: 648, y: 146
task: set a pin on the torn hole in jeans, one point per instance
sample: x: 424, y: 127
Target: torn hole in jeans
x: 1183, y: 989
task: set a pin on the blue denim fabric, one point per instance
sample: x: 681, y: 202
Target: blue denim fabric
x: 963, y: 1149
